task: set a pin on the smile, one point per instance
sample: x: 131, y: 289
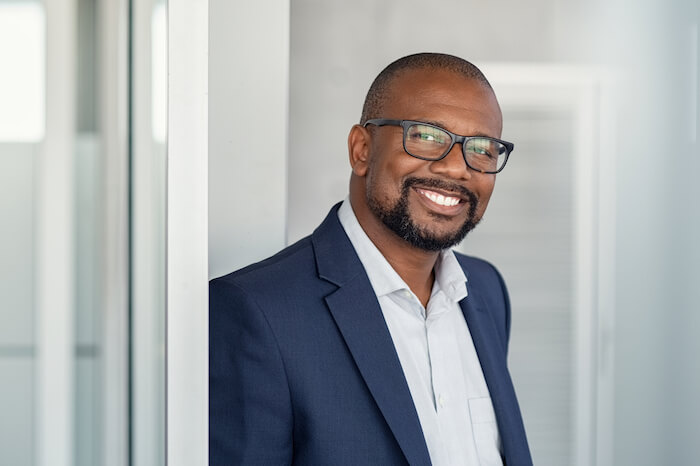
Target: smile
x: 439, y: 199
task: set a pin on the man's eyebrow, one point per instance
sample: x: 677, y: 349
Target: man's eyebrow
x: 441, y: 124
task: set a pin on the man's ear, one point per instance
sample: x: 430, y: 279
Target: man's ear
x: 359, y: 141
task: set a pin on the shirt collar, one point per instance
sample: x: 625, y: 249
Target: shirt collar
x: 449, y: 276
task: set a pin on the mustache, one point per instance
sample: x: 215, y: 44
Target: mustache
x: 440, y: 184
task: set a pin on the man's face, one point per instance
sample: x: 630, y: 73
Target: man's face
x: 432, y: 205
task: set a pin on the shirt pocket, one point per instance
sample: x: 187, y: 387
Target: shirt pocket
x: 485, y: 430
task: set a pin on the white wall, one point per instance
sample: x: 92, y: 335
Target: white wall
x: 657, y: 371
x: 248, y: 92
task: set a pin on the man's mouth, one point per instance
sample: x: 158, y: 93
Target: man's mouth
x: 438, y: 198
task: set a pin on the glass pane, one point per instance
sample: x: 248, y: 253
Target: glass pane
x: 22, y: 50
x: 114, y: 303
x: 89, y: 257
x: 22, y: 81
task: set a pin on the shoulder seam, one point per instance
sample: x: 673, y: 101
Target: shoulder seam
x: 286, y: 253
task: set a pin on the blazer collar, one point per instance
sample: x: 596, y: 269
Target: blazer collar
x: 336, y: 259
x: 357, y: 314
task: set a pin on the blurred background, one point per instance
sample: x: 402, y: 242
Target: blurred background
x: 594, y: 222
x: 83, y: 89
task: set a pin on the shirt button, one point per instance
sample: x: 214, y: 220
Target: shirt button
x: 441, y: 401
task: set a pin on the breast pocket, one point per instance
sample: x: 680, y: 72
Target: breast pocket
x: 485, y: 430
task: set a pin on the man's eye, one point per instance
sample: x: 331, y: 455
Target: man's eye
x: 429, y: 135
x: 482, y: 148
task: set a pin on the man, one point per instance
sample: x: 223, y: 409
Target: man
x: 370, y: 342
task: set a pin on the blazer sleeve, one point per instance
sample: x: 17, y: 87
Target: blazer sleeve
x: 250, y: 414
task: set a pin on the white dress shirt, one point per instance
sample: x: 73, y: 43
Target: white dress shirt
x: 436, y: 353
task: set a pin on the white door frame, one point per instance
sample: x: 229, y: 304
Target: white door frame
x: 250, y: 88
x: 187, y: 355
x: 587, y: 93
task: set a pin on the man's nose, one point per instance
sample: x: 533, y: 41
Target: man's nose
x: 452, y: 165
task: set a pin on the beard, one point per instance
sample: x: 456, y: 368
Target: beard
x: 398, y: 218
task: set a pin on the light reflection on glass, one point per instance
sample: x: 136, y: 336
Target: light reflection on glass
x: 22, y: 58
x: 159, y: 76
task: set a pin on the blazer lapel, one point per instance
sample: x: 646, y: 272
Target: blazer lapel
x: 491, y: 353
x: 357, y: 314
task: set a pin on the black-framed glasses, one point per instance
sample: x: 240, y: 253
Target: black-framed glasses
x: 430, y: 142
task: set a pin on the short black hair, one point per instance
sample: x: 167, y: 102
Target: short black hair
x: 379, y: 90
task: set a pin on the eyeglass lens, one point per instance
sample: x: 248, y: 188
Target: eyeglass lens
x: 430, y: 142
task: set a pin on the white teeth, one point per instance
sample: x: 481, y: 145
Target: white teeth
x: 440, y: 199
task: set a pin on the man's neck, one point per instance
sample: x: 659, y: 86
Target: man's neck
x: 415, y: 266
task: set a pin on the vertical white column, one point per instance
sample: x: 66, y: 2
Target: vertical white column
x: 584, y: 272
x: 114, y: 132
x: 187, y: 306
x: 54, y: 243
x: 606, y: 272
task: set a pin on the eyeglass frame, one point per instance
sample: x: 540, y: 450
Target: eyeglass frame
x: 456, y: 139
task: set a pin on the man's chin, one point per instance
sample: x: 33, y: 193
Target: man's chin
x: 428, y: 231
x: 426, y: 240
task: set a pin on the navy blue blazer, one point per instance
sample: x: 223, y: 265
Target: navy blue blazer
x: 303, y: 371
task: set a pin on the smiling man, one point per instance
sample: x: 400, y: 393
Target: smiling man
x: 371, y: 342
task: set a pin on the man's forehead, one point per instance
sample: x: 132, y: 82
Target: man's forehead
x: 416, y: 80
x: 408, y: 85
x: 448, y: 98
